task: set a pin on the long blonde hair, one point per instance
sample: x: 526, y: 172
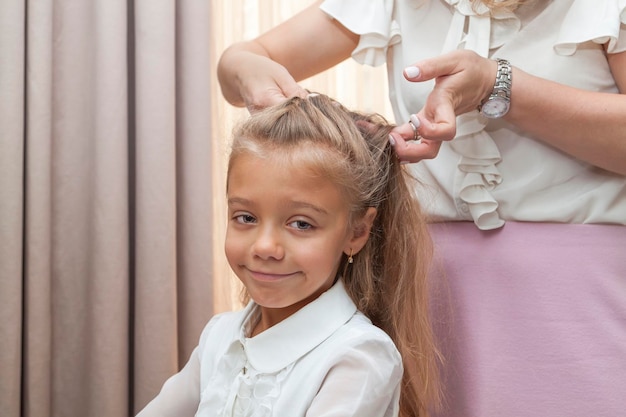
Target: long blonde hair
x: 388, y: 279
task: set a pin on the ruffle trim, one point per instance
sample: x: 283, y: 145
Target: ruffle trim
x: 596, y: 21
x: 257, y: 392
x: 373, y: 23
x: 485, y: 32
x: 251, y: 393
x: 479, y: 173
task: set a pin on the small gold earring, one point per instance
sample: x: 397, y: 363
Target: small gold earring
x: 350, y: 258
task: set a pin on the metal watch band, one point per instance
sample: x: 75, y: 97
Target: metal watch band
x: 502, y: 86
x: 503, y: 82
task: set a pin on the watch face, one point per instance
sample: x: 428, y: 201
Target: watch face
x: 495, y: 107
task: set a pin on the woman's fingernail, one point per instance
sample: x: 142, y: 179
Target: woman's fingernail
x: 392, y: 141
x: 404, y: 162
x: 416, y: 122
x: 412, y: 72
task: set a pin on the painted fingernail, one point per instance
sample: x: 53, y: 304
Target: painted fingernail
x: 412, y: 72
x: 415, y: 121
x: 392, y: 141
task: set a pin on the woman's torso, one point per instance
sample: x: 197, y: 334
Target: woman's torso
x: 538, y: 182
x: 501, y: 173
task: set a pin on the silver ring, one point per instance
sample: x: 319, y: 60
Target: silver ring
x: 416, y: 136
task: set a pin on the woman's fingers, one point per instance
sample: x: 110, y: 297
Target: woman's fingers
x: 462, y: 78
x: 409, y: 150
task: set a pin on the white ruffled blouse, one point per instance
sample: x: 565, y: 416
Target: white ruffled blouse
x: 326, y: 359
x: 492, y: 172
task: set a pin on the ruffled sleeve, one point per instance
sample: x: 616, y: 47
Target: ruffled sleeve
x: 372, y: 21
x: 595, y: 21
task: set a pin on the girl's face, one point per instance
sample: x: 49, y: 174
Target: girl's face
x: 287, y: 230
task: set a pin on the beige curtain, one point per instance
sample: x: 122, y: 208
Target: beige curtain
x: 105, y: 201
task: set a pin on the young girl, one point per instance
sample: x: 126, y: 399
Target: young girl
x: 333, y: 251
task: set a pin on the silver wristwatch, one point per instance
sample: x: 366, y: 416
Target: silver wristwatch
x: 499, y: 101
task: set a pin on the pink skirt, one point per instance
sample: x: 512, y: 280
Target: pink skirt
x: 531, y: 319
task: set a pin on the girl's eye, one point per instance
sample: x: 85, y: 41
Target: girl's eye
x: 301, y: 225
x: 244, y: 219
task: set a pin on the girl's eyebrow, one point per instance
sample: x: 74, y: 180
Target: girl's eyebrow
x: 239, y: 200
x: 292, y: 204
x: 303, y: 204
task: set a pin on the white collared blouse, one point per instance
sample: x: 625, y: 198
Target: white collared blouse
x: 492, y: 172
x: 327, y: 359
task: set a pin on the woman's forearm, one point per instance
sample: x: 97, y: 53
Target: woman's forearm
x: 256, y: 73
x: 588, y: 125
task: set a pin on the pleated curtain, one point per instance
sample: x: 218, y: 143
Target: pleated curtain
x: 105, y: 201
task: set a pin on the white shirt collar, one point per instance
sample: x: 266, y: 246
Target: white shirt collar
x: 292, y: 338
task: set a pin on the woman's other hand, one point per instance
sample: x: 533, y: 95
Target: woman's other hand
x: 259, y: 81
x: 462, y: 80
x: 588, y: 125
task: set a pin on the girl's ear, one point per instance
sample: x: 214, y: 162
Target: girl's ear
x: 360, y: 232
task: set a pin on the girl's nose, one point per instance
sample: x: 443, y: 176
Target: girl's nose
x: 268, y: 244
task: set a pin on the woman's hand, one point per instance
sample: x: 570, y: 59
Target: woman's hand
x: 409, y: 145
x: 265, y: 70
x: 462, y: 80
x: 259, y: 81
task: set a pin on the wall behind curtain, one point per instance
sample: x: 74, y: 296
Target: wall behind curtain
x: 358, y: 87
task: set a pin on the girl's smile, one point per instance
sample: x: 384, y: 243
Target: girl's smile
x: 268, y: 276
